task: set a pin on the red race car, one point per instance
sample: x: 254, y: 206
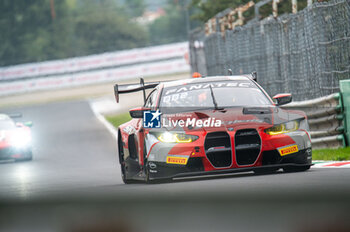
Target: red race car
x: 211, y: 125
x: 15, y: 139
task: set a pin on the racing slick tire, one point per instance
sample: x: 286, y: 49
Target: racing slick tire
x: 125, y: 180
x: 121, y: 161
x: 296, y: 168
x: 27, y: 157
x: 147, y: 180
x: 301, y: 159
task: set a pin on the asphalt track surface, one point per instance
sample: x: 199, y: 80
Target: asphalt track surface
x: 75, y: 165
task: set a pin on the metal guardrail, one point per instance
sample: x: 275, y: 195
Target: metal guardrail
x: 94, y: 62
x: 94, y: 77
x: 326, y: 120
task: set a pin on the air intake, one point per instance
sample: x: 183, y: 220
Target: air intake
x: 218, y: 149
x: 247, y: 146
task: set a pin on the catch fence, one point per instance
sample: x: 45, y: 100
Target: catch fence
x: 306, y: 53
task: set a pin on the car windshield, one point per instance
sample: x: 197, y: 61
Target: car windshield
x: 227, y: 94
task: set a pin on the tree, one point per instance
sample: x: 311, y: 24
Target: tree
x: 135, y: 8
x: 105, y: 27
x: 171, y: 27
x: 26, y: 30
x: 29, y: 33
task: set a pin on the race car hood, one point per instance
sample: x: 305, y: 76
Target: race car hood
x: 223, y: 119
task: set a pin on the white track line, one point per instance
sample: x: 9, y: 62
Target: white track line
x: 96, y: 107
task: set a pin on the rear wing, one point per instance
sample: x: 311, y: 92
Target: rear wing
x: 130, y: 88
x: 15, y: 115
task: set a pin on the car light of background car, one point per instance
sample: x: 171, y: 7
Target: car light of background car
x: 21, y: 139
x: 283, y: 128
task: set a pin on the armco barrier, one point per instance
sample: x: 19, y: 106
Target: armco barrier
x: 326, y: 120
x: 110, y: 59
x: 94, y: 77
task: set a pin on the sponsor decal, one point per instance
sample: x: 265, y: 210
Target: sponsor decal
x: 243, y: 121
x: 182, y: 89
x: 288, y: 150
x: 176, y: 160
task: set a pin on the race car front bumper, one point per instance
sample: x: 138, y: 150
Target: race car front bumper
x: 8, y: 153
x: 195, y: 167
x: 226, y: 151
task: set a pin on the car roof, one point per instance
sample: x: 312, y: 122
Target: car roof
x: 206, y: 80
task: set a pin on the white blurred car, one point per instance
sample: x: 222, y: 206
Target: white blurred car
x: 15, y: 140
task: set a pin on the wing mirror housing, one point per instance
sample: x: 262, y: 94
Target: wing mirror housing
x: 28, y: 124
x: 283, y: 98
x: 138, y: 112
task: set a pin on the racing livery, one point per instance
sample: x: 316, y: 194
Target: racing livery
x: 211, y: 125
x: 15, y: 139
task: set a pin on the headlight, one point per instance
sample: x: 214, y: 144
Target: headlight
x: 283, y: 128
x: 168, y: 137
x: 20, y: 139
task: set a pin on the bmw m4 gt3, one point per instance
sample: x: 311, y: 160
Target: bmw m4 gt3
x: 211, y: 125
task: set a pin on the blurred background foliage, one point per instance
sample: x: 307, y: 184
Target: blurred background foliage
x: 40, y: 30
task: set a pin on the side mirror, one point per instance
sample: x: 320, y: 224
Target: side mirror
x: 138, y: 112
x: 28, y: 124
x: 283, y: 98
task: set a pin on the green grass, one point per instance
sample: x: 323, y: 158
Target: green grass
x: 331, y: 154
x: 119, y: 119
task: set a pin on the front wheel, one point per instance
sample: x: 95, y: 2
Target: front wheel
x: 296, y: 168
x: 123, y: 172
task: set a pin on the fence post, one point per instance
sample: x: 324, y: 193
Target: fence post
x: 294, y: 6
x: 345, y: 93
x: 275, y: 8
